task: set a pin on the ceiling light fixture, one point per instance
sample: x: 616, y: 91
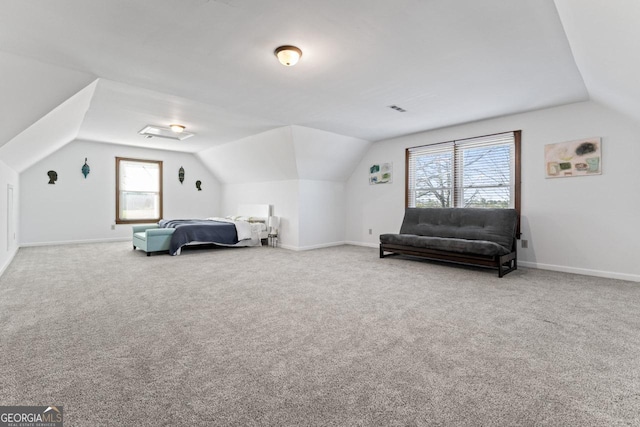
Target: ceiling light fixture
x: 150, y: 131
x: 288, y: 55
x: 177, y: 128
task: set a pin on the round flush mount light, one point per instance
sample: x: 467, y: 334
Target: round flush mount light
x: 288, y: 55
x: 177, y: 128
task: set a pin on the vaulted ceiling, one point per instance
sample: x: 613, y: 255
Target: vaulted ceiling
x: 210, y: 66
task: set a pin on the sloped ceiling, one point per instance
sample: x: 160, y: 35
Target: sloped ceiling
x: 52, y: 132
x: 268, y: 156
x: 286, y: 153
x: 210, y: 64
x: 30, y: 89
x: 326, y: 156
x: 119, y: 111
x: 604, y: 39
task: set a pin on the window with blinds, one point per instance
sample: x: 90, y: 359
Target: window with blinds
x: 138, y: 191
x: 480, y: 172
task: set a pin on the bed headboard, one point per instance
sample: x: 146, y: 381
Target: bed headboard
x: 260, y: 211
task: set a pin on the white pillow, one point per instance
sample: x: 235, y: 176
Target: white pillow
x: 246, y: 218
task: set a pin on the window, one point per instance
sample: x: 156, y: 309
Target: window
x: 481, y: 172
x: 138, y: 191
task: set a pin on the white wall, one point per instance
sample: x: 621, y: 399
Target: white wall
x: 299, y: 171
x: 312, y: 213
x: 585, y: 225
x: 322, y: 213
x: 8, y: 232
x: 79, y: 209
x: 325, y: 161
x: 326, y: 156
x: 282, y: 195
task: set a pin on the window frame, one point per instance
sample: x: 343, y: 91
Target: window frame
x: 160, y: 192
x: 517, y: 196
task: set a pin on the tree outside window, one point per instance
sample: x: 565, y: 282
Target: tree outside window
x: 138, y: 191
x: 478, y: 172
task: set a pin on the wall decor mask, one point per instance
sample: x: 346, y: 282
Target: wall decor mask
x: 53, y: 177
x: 181, y: 174
x: 85, y: 168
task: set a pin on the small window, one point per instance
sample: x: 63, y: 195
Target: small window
x: 138, y: 191
x: 482, y: 172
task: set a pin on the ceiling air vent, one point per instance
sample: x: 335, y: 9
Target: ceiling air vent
x: 150, y: 131
x: 398, y: 109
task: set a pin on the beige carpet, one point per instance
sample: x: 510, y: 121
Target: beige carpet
x: 337, y: 336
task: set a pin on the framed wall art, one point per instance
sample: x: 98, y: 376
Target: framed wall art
x: 381, y: 173
x: 573, y: 158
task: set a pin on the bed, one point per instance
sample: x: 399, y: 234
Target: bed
x: 247, y: 228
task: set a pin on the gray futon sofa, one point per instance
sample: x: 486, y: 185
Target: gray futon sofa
x: 485, y: 237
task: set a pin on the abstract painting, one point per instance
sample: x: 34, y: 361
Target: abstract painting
x: 381, y: 173
x: 573, y: 158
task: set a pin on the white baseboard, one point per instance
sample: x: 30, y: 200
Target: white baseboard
x: 8, y: 262
x: 582, y: 271
x: 309, y: 248
x: 561, y: 268
x: 368, y: 245
x: 74, y: 242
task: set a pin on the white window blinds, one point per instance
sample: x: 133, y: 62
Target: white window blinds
x: 138, y: 190
x: 476, y: 172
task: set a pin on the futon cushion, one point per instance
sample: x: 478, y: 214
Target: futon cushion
x: 462, y: 246
x: 492, y: 225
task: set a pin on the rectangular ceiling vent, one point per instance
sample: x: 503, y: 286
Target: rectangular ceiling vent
x: 398, y: 109
x: 150, y: 131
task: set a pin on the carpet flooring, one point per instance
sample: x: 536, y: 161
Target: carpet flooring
x: 330, y: 337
